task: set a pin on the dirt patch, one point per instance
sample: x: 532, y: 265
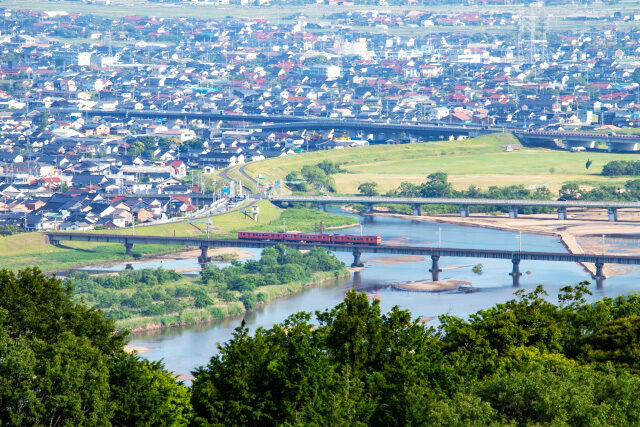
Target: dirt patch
x: 426, y: 286
x: 137, y: 350
x: 395, y: 260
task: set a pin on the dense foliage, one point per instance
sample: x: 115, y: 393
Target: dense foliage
x: 438, y: 185
x: 314, y: 176
x: 278, y: 264
x: 62, y: 363
x: 525, y: 362
x: 621, y: 167
x: 628, y: 192
x: 159, y: 292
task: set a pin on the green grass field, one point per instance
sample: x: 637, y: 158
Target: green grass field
x: 480, y: 161
x: 31, y: 249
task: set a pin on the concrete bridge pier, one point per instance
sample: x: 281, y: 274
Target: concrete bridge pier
x: 204, y: 258
x: 356, y: 259
x: 368, y: 207
x: 322, y: 207
x: 416, y: 210
x: 613, y: 214
x: 515, y: 273
x: 464, y: 210
x: 128, y: 248
x: 562, y: 213
x: 435, y: 268
x: 513, y: 212
x: 599, y: 276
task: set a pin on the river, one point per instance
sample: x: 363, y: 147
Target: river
x: 184, y: 348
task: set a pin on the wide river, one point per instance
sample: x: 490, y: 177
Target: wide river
x: 182, y: 349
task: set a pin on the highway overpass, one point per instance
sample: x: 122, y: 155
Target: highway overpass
x: 284, y: 123
x: 435, y: 253
x: 585, y: 140
x: 464, y: 203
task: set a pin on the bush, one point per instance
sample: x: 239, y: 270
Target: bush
x: 203, y: 301
x: 249, y: 300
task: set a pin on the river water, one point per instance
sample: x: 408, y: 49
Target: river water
x: 182, y: 349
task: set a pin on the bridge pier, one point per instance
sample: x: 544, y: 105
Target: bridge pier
x: 356, y: 259
x: 562, y: 213
x: 322, y: 206
x: 127, y: 248
x: 599, y: 276
x: 416, y: 210
x: 513, y: 212
x: 435, y: 268
x: 515, y: 272
x: 613, y: 214
x: 464, y: 210
x: 368, y: 207
x: 204, y: 255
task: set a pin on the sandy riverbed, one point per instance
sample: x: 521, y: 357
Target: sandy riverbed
x: 428, y: 286
x: 580, y: 233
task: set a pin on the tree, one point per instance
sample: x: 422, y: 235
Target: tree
x: 570, y: 191
x: 145, y: 393
x: 368, y: 189
x: 58, y: 360
x: 437, y: 185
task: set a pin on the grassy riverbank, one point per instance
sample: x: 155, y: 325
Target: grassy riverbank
x: 158, y: 298
x: 469, y: 162
x: 221, y: 309
x: 27, y: 249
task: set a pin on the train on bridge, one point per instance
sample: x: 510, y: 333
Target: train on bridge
x: 310, y: 238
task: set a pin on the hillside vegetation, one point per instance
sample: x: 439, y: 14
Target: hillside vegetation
x: 480, y: 161
x: 527, y: 361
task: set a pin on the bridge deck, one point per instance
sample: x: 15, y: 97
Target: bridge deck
x: 465, y: 201
x: 55, y: 237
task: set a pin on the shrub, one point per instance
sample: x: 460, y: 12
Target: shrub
x: 249, y: 300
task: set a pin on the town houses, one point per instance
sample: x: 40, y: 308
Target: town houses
x: 63, y: 168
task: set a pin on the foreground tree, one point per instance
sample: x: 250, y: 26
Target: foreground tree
x: 64, y: 364
x: 518, y: 363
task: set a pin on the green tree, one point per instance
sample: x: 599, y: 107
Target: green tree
x: 144, y: 393
x: 57, y: 358
x: 368, y: 189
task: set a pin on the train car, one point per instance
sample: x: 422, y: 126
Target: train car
x: 307, y: 237
x: 356, y: 240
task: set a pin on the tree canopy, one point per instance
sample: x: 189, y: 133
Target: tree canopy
x: 62, y: 363
x: 524, y: 362
x: 527, y: 361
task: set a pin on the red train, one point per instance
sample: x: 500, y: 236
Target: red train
x: 304, y: 237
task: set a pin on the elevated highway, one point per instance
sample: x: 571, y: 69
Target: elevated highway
x: 586, y: 140
x: 416, y: 202
x: 283, y: 123
x: 435, y: 253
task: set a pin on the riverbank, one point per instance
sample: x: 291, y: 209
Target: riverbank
x: 581, y: 233
x: 195, y: 316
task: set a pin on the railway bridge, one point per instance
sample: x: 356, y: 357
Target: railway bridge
x: 357, y: 250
